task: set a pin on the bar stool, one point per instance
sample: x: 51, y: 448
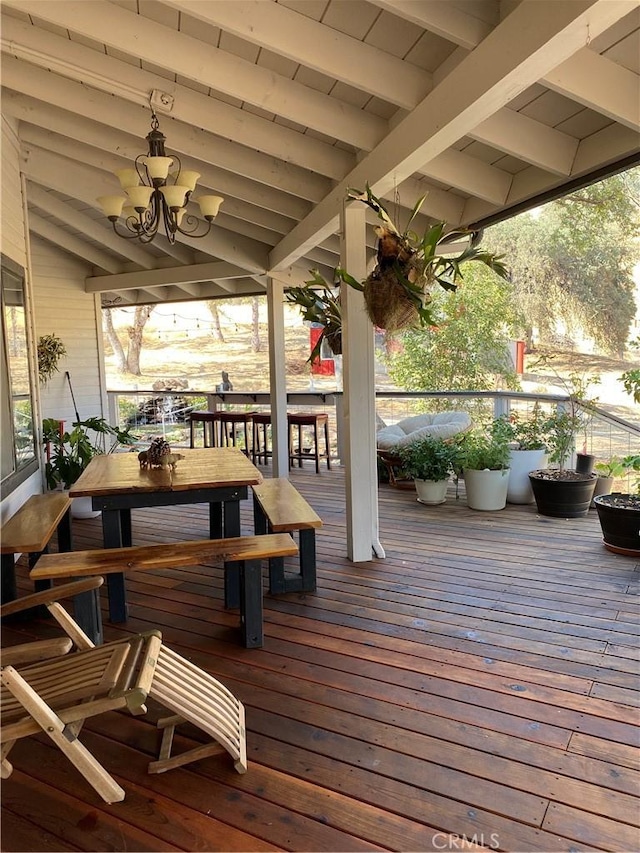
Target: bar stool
x: 261, y: 426
x: 230, y: 423
x: 209, y: 421
x: 308, y: 419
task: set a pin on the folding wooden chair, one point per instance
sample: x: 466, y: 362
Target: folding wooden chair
x: 59, y: 691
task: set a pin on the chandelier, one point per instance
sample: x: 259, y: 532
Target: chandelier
x: 155, y: 195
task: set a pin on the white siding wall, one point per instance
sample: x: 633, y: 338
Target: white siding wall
x: 63, y: 308
x: 14, y: 246
x: 13, y: 239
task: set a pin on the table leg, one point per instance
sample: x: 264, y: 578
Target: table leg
x: 231, y: 519
x: 86, y: 611
x: 215, y: 520
x: 112, y: 533
x: 65, y: 537
x: 251, y: 604
x: 8, y: 588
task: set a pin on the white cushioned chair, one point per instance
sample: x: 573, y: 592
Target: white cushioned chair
x: 390, y: 439
x: 405, y: 432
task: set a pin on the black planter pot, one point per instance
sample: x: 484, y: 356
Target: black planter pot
x: 562, y: 494
x: 620, y: 523
x: 585, y: 462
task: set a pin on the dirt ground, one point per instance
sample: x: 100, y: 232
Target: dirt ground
x: 182, y: 346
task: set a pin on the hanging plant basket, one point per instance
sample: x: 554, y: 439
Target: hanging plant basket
x: 397, y: 294
x: 389, y: 305
x: 50, y: 351
x: 333, y: 337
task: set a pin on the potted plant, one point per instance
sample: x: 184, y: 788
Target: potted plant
x: 562, y: 492
x: 50, y: 351
x: 527, y: 439
x: 320, y: 303
x: 69, y: 452
x: 396, y: 293
x: 607, y: 472
x: 430, y: 462
x: 484, y: 460
x: 619, y: 514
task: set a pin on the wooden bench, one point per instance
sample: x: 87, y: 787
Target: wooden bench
x: 29, y: 531
x: 242, y: 556
x: 279, y: 508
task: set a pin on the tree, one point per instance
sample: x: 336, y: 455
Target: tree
x: 256, y: 346
x: 467, y: 349
x: 213, y: 305
x: 129, y: 363
x: 572, y: 261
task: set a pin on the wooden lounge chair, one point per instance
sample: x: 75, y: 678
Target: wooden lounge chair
x: 61, y: 689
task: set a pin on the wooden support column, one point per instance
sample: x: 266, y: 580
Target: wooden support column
x: 277, y: 379
x: 359, y: 397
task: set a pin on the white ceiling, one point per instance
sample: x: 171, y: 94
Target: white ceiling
x: 282, y: 105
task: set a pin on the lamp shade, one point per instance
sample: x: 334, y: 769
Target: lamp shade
x: 140, y: 196
x: 111, y: 205
x: 158, y: 167
x: 209, y: 205
x: 127, y: 177
x: 174, y: 195
x: 186, y: 178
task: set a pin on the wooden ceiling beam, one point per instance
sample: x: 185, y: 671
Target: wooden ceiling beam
x: 223, y: 157
x: 599, y: 84
x: 310, y: 43
x: 526, y: 45
x: 528, y: 140
x: 183, y: 55
x: 443, y: 19
x: 192, y: 274
x: 77, y: 62
x: 38, y: 196
x: 70, y: 243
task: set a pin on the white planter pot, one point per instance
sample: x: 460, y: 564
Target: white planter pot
x: 431, y: 491
x: 486, y: 490
x: 522, y: 462
x: 603, y: 487
x: 81, y: 508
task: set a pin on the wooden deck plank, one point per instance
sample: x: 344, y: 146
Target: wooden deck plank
x: 481, y: 680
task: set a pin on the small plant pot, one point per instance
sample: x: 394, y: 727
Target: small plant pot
x: 486, y: 490
x: 431, y: 492
x: 562, y: 494
x: 585, y: 463
x: 82, y: 508
x: 619, y: 516
x: 603, y: 487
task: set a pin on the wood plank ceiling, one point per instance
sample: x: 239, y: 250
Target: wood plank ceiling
x: 282, y: 105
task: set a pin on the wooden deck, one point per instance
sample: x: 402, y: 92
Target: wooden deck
x: 479, y: 681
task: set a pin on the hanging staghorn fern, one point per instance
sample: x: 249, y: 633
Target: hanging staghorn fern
x: 50, y: 351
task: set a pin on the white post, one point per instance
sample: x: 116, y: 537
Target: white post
x: 361, y: 477
x: 277, y: 379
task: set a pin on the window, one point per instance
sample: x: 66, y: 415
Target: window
x: 18, y: 438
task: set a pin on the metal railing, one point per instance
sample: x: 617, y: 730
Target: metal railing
x: 166, y: 413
